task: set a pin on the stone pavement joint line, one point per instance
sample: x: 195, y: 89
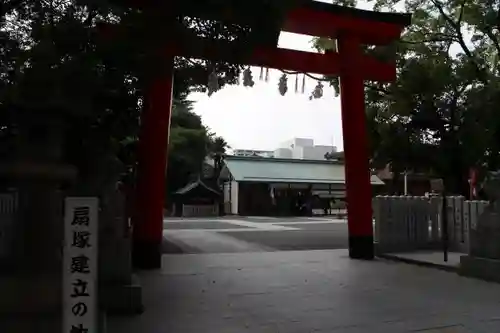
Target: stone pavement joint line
x: 309, y: 222
x: 308, y: 291
x: 203, y: 241
x: 257, y: 226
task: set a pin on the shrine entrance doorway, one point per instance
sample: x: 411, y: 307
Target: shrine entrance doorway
x: 351, y: 28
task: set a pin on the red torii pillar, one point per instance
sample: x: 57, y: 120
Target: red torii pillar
x: 352, y: 28
x: 356, y: 153
x: 151, y: 171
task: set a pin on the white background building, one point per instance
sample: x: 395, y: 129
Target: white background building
x: 303, y: 149
x: 296, y: 148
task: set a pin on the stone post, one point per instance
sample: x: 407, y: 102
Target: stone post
x: 119, y: 292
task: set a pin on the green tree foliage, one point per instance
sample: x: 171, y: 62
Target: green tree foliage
x: 217, y: 150
x: 86, y: 61
x: 440, y: 115
x: 188, y: 148
x: 190, y: 144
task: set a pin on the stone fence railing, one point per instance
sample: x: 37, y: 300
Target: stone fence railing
x: 406, y: 223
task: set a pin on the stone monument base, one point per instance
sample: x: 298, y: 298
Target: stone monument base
x: 38, y: 322
x: 121, y: 299
x: 32, y: 303
x: 481, y: 268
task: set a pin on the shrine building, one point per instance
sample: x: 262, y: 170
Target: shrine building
x: 272, y: 186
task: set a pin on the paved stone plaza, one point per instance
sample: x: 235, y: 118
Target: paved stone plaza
x: 253, y: 234
x: 308, y: 291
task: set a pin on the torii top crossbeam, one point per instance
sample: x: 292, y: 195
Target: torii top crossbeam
x: 306, y: 17
x: 327, y: 20
x: 311, y: 18
x: 266, y: 19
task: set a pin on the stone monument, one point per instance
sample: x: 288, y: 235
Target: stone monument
x: 483, y: 260
x: 31, y: 275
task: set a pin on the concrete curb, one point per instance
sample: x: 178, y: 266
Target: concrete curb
x: 392, y: 257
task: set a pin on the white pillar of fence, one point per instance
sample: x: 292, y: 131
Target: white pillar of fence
x: 383, y: 219
x: 406, y: 223
x: 435, y: 210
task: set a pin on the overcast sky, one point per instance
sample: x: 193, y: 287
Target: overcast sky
x: 260, y: 118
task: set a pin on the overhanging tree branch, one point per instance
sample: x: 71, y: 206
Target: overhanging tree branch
x: 429, y: 40
x: 461, y: 13
x: 482, y: 75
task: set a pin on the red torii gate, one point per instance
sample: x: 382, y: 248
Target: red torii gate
x: 352, y: 28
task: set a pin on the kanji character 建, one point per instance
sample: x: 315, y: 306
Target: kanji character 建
x: 80, y: 264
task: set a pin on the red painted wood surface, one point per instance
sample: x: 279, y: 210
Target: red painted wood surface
x: 293, y: 60
x: 355, y: 136
x: 313, y: 20
x: 321, y: 24
x: 153, y: 145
